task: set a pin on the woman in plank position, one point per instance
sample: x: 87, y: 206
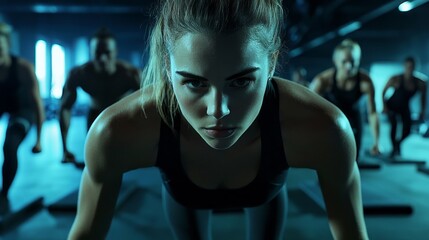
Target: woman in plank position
x: 221, y: 128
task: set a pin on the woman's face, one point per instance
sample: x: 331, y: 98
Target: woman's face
x: 219, y: 81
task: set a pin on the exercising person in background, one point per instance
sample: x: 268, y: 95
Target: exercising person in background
x: 20, y: 98
x: 405, y: 86
x: 104, y: 78
x: 344, y: 85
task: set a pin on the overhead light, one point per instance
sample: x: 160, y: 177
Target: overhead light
x: 405, y: 6
x: 351, y: 27
x: 410, y: 5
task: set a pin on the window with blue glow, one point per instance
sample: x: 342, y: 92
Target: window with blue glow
x: 58, y: 71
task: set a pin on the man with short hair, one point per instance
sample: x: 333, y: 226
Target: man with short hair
x: 104, y: 78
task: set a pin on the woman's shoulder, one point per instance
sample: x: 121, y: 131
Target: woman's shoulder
x: 326, y: 75
x: 312, y: 128
x: 301, y: 101
x: 125, y: 135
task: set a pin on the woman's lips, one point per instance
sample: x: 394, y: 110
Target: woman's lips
x: 219, y: 132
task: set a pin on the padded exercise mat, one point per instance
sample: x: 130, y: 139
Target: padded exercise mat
x: 19, y: 211
x: 375, y: 202
x: 423, y: 169
x: 68, y: 203
x: 395, y: 160
x: 364, y: 164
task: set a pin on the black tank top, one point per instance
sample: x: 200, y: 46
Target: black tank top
x: 9, y: 101
x: 347, y: 100
x: 265, y: 186
x: 401, y: 97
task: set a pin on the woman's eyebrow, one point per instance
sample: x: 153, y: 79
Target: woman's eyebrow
x: 236, y: 75
x: 242, y: 73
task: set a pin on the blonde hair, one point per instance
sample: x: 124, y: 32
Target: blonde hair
x: 348, y: 44
x: 6, y: 30
x: 175, y: 18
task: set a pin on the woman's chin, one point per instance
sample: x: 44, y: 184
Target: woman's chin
x: 220, y: 144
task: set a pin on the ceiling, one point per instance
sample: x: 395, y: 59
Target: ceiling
x: 309, y: 23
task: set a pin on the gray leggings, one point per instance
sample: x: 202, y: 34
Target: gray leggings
x: 265, y: 222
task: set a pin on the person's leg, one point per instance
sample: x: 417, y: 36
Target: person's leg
x: 185, y: 223
x: 17, y: 129
x: 406, y: 126
x: 268, y: 222
x: 393, y: 125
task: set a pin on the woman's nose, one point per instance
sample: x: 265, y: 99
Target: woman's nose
x: 217, y: 105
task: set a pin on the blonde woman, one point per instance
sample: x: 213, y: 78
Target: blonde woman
x: 221, y: 128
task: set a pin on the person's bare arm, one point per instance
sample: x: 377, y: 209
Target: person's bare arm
x: 340, y: 182
x: 368, y: 88
x: 67, y: 100
x: 136, y: 76
x: 423, y: 90
x: 310, y: 122
x: 121, y: 139
x: 100, y: 185
x: 390, y: 83
x: 318, y: 85
x: 34, y: 93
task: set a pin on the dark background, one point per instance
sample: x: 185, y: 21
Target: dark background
x: 386, y: 35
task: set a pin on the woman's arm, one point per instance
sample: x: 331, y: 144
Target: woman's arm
x: 367, y: 87
x: 340, y: 182
x: 97, y: 200
x: 100, y: 185
x: 121, y: 139
x: 317, y: 135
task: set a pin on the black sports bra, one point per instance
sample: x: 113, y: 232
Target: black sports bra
x: 264, y: 187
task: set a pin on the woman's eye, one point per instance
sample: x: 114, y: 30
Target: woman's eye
x: 241, y: 83
x: 195, y: 84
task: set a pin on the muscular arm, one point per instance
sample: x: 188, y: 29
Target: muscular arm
x: 317, y: 85
x: 67, y: 100
x: 136, y: 83
x: 120, y: 140
x: 332, y: 155
x: 34, y: 94
x: 389, y: 84
x: 373, y: 120
x: 423, y: 90
x: 340, y: 183
x: 100, y: 186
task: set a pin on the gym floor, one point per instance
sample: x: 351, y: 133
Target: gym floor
x: 140, y: 216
